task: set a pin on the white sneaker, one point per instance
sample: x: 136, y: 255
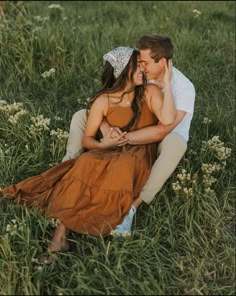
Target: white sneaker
x: 125, y: 227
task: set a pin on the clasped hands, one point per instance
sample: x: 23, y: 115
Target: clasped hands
x: 112, y: 136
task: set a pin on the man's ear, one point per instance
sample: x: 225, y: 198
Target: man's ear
x: 163, y: 62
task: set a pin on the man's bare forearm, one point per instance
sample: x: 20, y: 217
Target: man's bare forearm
x: 155, y: 133
x: 150, y: 134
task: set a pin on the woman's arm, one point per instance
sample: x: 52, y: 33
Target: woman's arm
x: 95, y: 117
x: 97, y: 112
x: 162, y: 105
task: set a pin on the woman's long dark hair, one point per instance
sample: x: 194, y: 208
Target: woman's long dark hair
x: 112, y: 85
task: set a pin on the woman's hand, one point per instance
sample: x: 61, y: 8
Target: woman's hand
x: 105, y: 129
x: 109, y: 140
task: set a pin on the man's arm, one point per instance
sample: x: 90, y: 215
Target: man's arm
x: 152, y: 134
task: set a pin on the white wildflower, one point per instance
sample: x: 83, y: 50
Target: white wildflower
x: 60, y: 134
x: 14, y: 227
x: 40, y: 18
x: 54, y: 222
x: 58, y: 118
x: 206, y: 120
x: 34, y: 260
x: 39, y: 125
x: 49, y: 73
x: 11, y: 108
x: 209, y: 168
x: 209, y: 190
x: 13, y: 119
x: 196, y: 13
x: 55, y: 6
x: 124, y: 234
x: 216, y: 146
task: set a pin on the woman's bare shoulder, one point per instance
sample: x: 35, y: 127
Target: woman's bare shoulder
x: 102, y: 99
x: 151, y: 89
x: 101, y: 103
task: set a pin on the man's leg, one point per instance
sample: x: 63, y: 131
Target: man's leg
x: 170, y: 150
x: 74, y: 146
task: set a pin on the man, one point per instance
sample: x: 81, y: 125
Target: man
x: 155, y: 51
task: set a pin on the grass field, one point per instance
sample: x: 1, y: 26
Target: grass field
x: 50, y: 62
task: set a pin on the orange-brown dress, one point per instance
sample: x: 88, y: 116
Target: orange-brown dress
x: 93, y: 193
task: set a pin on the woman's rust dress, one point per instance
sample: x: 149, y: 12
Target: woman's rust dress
x: 92, y: 193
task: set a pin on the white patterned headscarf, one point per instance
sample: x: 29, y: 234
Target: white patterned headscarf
x: 118, y: 58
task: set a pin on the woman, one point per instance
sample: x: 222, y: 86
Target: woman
x: 93, y: 193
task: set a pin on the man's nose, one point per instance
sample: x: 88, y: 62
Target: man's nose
x: 142, y: 67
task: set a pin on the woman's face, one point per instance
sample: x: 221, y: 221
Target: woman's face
x: 138, y: 75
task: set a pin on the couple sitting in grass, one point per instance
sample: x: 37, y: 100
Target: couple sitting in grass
x: 135, y: 134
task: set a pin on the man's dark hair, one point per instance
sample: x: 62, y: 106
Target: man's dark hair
x: 160, y: 46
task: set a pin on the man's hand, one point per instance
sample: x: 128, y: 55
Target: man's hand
x: 168, y: 73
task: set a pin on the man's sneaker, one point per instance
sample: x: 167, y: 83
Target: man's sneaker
x: 124, y: 229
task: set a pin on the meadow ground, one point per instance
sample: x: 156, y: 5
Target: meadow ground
x: 50, y: 61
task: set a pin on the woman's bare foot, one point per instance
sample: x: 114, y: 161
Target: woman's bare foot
x: 58, y: 243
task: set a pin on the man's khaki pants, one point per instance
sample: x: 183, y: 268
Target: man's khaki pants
x: 170, y: 151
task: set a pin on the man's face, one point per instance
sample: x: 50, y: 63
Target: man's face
x: 151, y: 68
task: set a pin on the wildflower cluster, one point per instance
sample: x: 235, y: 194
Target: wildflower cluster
x: 208, y: 169
x: 207, y: 177
x: 13, y: 228
x: 14, y: 111
x: 39, y: 125
x: 10, y: 108
x: 185, y: 184
x: 54, y: 222
x: 59, y: 138
x: 60, y: 135
x: 125, y: 234
x: 13, y: 119
x: 216, y: 146
x: 49, y: 73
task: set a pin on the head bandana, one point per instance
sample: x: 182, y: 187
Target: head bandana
x: 118, y: 58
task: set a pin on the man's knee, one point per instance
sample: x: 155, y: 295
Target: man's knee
x: 174, y: 144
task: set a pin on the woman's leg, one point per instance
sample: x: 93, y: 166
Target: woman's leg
x: 59, y: 241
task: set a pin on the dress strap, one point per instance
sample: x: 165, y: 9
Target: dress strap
x: 108, y: 100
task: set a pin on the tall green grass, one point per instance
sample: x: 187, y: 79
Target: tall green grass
x: 184, y: 242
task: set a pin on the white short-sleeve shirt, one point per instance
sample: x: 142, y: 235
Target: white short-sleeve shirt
x: 184, y: 97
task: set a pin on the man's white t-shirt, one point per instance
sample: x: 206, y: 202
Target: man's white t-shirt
x: 183, y: 92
